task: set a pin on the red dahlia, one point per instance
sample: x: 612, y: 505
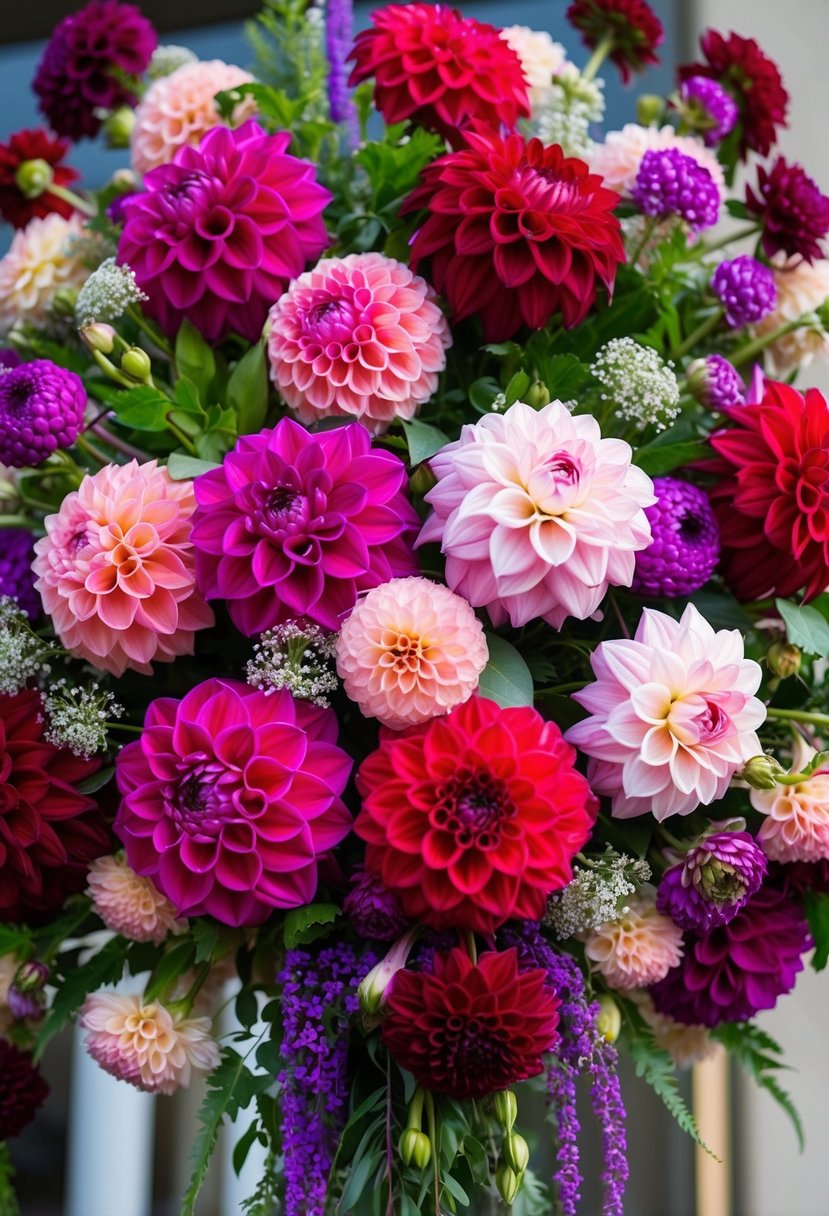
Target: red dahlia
x: 515, y: 232
x: 37, y: 144
x: 22, y: 1090
x: 439, y: 69
x: 772, y: 495
x: 752, y: 79
x: 632, y: 26
x: 792, y: 209
x: 474, y: 818
x: 469, y: 1030
x: 49, y: 832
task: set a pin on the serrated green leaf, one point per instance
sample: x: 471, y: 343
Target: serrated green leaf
x: 195, y: 359
x: 805, y: 627
x: 657, y: 1068
x: 105, y: 967
x: 423, y: 440
x: 506, y: 679
x: 142, y: 409
x: 304, y: 925
x: 184, y: 468
x: 247, y: 390
x: 760, y: 1055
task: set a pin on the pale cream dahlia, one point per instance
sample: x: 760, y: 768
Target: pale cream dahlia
x: 541, y: 58
x: 686, y: 1045
x: 43, y: 256
x: 801, y: 288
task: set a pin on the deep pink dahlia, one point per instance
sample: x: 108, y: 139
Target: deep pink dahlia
x: 229, y: 798
x: 220, y: 232
x: 296, y: 525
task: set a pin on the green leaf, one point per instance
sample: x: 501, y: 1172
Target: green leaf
x: 506, y: 679
x: 805, y: 627
x: 393, y: 168
x: 357, y: 1181
x: 143, y: 408
x: 183, y: 468
x: 105, y: 967
x: 455, y: 1190
x: 8, y: 1198
x: 243, y: 1147
x: 657, y: 1068
x: 759, y: 1054
x: 720, y: 609
x: 657, y: 458
x: 172, y: 964
x: 195, y: 359
x: 247, y: 390
x: 304, y: 925
x: 817, y: 914
x: 423, y: 440
x: 516, y: 388
x: 91, y: 785
x: 738, y: 209
x: 483, y: 392
x: 16, y: 940
x: 564, y: 375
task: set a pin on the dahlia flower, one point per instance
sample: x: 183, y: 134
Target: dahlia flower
x: 49, y: 832
x: 469, y: 1029
x: 619, y: 158
x: 145, y: 1044
x: 129, y: 904
x: 229, y: 797
x: 439, y: 69
x: 673, y: 715
x: 515, y: 232
x: 637, y: 949
x: 16, y: 207
x: 473, y: 819
x: 770, y: 496
x: 17, y: 548
x: 116, y: 570
x: 738, y: 969
x: 297, y: 525
x: 374, y: 911
x: 41, y: 411
x: 218, y: 234
x: 796, y: 827
x: 181, y: 108
x: 632, y: 25
x: 42, y: 257
x: 713, y: 881
x: 360, y: 336
x: 410, y: 651
x: 708, y: 108
x: 792, y: 210
x: 537, y: 514
x: 87, y: 65
x: 801, y: 288
x: 686, y: 1045
x: 22, y: 1090
x: 686, y: 541
x: 541, y: 58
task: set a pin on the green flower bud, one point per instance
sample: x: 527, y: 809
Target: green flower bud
x: 508, y: 1183
x: 118, y: 127
x: 64, y: 301
x: 415, y: 1148
x: 537, y: 395
x: 506, y: 1108
x: 31, y: 976
x: 650, y: 108
x: 609, y: 1021
x: 422, y: 479
x: 761, y: 772
x: 33, y: 177
x: 136, y: 364
x: 374, y: 986
x: 98, y: 337
x: 784, y: 659
x: 516, y: 1152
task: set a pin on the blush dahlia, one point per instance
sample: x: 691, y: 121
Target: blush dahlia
x: 474, y: 818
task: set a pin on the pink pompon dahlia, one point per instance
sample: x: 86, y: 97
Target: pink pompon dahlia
x: 637, y: 949
x: 360, y: 336
x: 439, y: 69
x: 129, y: 904
x: 297, y: 525
x: 181, y: 108
x: 796, y: 824
x: 229, y: 798
x: 116, y: 569
x: 673, y: 715
x: 537, y: 514
x: 218, y: 234
x: 410, y: 651
x: 619, y: 158
x: 145, y: 1044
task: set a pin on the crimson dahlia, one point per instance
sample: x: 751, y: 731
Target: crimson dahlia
x: 15, y: 208
x: 22, y: 1090
x: 792, y: 209
x: 632, y: 27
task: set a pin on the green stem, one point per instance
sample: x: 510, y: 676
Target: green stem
x: 74, y: 200
x: 181, y: 437
x: 746, y: 353
x: 469, y: 942
x: 92, y: 450
x: 185, y: 1004
x: 14, y: 521
x: 704, y: 247
x: 696, y: 335
x: 670, y: 838
x: 115, y: 442
x: 598, y: 57
x: 798, y: 715
x: 155, y: 336
x: 647, y: 232
x: 415, y: 1119
x: 432, y: 1123
x: 133, y: 730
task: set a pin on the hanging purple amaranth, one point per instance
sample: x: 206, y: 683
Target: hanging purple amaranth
x: 339, y: 32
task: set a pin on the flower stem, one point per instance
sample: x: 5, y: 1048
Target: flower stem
x: 432, y: 1123
x: 648, y: 229
x: 154, y: 334
x: 92, y: 451
x: 14, y: 521
x: 746, y: 353
x: 798, y: 715
x: 113, y: 441
x: 133, y: 730
x: 708, y: 247
x: 598, y: 57
x: 696, y: 335
x: 74, y: 200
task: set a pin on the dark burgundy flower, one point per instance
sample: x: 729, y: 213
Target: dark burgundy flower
x: 792, y: 208
x: 22, y: 1090
x: 23, y: 146
x: 632, y: 25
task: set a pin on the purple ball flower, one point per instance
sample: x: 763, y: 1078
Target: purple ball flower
x: 746, y: 290
x: 716, y: 383
x: 41, y: 409
x: 373, y: 910
x: 17, y: 551
x: 735, y: 970
x: 712, y: 110
x: 671, y: 183
x: 9, y: 358
x: 686, y: 541
x: 713, y: 882
x: 83, y: 67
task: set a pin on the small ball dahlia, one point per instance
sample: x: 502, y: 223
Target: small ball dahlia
x: 48, y: 831
x: 218, y: 234
x: 41, y: 411
x: 87, y: 65
x: 16, y: 208
x: 515, y: 232
x: 541, y: 58
x: 17, y: 549
x: 671, y: 183
x: 181, y: 108
x: 619, y: 158
x: 143, y: 1043
x: 473, y: 819
x: 632, y: 25
x: 22, y: 1090
x: 410, y: 651
x: 43, y: 256
x: 771, y: 498
x: 673, y: 715
x: 357, y: 336
x: 738, y: 969
x: 713, y: 881
x: 537, y: 514
x: 439, y: 69
x: 637, y: 949
x: 746, y: 290
x: 802, y: 287
x: 229, y: 798
x: 129, y: 904
x: 686, y: 541
x: 796, y: 825
x: 297, y: 525
x: 708, y: 108
x: 792, y: 209
x: 373, y: 910
x: 468, y: 1029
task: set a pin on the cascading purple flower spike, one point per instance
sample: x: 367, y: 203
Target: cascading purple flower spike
x: 339, y: 23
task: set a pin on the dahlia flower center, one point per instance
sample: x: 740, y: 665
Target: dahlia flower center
x: 331, y: 321
x: 691, y: 526
x: 467, y: 1046
x: 473, y: 807
x: 79, y: 541
x: 557, y: 483
x: 403, y: 652
x: 17, y: 398
x: 545, y: 191
x: 697, y: 719
x: 279, y: 509
x: 202, y: 800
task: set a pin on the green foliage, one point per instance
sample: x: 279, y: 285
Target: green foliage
x: 183, y: 468
x: 8, y: 1198
x: 305, y: 925
x: 805, y: 627
x: 506, y: 678
x: 247, y: 390
x: 760, y: 1056
x: 816, y: 906
x: 422, y: 440
x: 105, y: 967
x: 656, y: 459
x: 195, y: 359
x: 289, y: 52
x: 657, y: 1068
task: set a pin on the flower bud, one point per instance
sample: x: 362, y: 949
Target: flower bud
x: 415, y: 1148
x: 98, y: 336
x: 118, y: 127
x: 761, y: 772
x: 650, y: 108
x: 124, y: 181
x: 508, y: 1183
x: 373, y: 988
x: 516, y: 1152
x: 537, y: 395
x: 422, y: 479
x: 784, y: 659
x: 31, y: 976
x: 506, y: 1108
x: 609, y: 1021
x: 33, y: 177
x: 64, y: 301
x: 135, y: 362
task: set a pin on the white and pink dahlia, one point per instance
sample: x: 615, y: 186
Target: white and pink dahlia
x: 638, y: 949
x: 116, y: 570
x: 802, y: 287
x: 537, y: 514
x: 619, y: 157
x: 796, y: 827
x: 410, y: 651
x: 180, y: 108
x: 673, y: 715
x: 359, y: 336
x: 130, y: 904
x: 43, y: 257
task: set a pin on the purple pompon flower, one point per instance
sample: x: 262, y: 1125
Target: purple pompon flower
x: 671, y: 183
x: 686, y: 541
x: 88, y: 65
x: 17, y: 580
x: 709, y: 108
x: 713, y: 882
x: 41, y: 410
x: 9, y: 358
x: 118, y: 208
x: 716, y: 383
x: 373, y: 910
x: 746, y: 290
x: 792, y: 209
x: 736, y: 970
x: 339, y: 33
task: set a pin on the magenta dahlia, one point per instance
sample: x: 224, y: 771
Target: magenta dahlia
x: 219, y: 233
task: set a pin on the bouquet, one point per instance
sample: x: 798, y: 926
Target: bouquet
x: 414, y: 569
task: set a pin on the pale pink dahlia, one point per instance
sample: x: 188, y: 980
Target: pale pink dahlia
x: 619, y: 158
x: 42, y: 257
x: 145, y: 1044
x: 636, y: 950
x: 685, y: 1044
x: 796, y: 827
x: 410, y: 650
x: 178, y: 109
x: 360, y: 336
x: 537, y: 514
x: 129, y: 904
x: 116, y: 569
x: 673, y: 715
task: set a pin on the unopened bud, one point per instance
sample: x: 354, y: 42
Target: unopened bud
x: 761, y: 772
x: 506, y: 1108
x: 415, y: 1148
x: 33, y: 177
x: 31, y: 976
x: 124, y: 181
x: 98, y: 336
x: 650, y: 108
x: 118, y: 127
x: 609, y: 1021
x: 135, y: 362
x: 372, y: 990
x: 516, y: 1152
x: 537, y: 395
x: 422, y: 479
x: 507, y: 1182
x: 64, y: 301
x: 784, y: 659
